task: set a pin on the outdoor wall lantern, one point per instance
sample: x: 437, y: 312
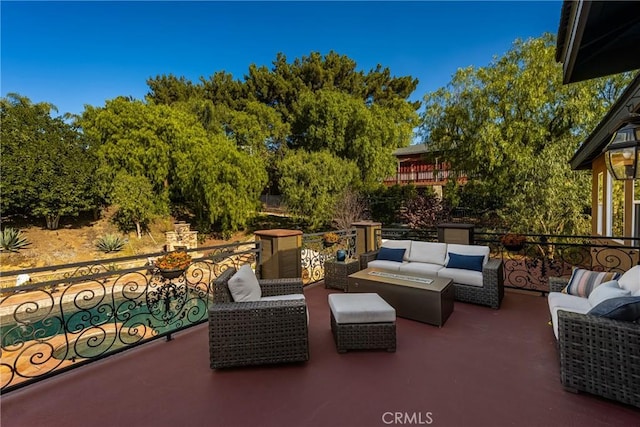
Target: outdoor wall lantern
x: 622, y: 155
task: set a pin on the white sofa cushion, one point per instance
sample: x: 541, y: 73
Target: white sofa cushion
x: 606, y: 291
x: 468, y: 250
x: 630, y: 280
x: 464, y: 277
x: 360, y: 308
x: 396, y: 244
x: 430, y: 252
x: 387, y: 265
x: 561, y: 301
x: 244, y: 286
x: 421, y: 268
x: 287, y: 297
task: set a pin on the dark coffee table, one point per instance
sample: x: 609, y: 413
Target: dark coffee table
x: 427, y: 299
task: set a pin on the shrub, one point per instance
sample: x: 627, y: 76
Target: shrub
x: 12, y: 240
x: 111, y: 243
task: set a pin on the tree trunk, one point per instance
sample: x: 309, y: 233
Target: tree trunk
x: 52, y: 221
x: 138, y: 230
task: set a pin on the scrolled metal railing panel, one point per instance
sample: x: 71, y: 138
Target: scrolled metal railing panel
x: 60, y: 324
x: 543, y: 256
x: 315, y: 252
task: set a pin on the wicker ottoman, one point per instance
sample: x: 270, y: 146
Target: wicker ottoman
x: 362, y: 322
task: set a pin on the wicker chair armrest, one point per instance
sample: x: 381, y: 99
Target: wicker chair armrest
x: 272, y: 287
x: 255, y: 309
x: 557, y: 284
x: 366, y: 257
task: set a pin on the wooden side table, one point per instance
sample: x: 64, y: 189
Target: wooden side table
x: 336, y: 272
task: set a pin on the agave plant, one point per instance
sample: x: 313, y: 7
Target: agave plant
x: 111, y: 243
x: 12, y: 240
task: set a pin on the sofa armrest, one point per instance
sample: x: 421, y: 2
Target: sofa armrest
x: 366, y: 257
x: 493, y: 276
x: 557, y: 284
x: 599, y: 356
x: 272, y: 287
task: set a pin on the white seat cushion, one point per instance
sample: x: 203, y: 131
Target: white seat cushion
x: 464, y: 277
x: 361, y: 308
x: 287, y: 297
x: 421, y: 267
x: 630, y: 280
x: 429, y: 252
x: 399, y: 244
x: 561, y: 301
x: 387, y: 265
x: 244, y: 286
x: 468, y: 250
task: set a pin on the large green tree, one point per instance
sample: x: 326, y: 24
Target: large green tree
x: 312, y: 183
x: 513, y: 126
x: 180, y: 162
x: 47, y: 170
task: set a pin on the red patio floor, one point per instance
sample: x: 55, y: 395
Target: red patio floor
x: 483, y: 368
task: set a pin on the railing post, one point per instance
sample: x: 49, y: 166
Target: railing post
x: 281, y: 253
x: 366, y: 236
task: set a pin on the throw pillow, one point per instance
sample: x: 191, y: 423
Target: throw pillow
x: 389, y: 254
x: 583, y: 282
x: 465, y: 262
x: 244, y: 285
x: 622, y: 308
x: 630, y: 280
x: 607, y: 291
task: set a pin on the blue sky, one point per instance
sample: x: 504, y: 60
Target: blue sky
x: 76, y: 53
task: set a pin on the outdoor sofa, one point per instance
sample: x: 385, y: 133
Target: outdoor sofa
x: 477, y: 278
x: 599, y: 354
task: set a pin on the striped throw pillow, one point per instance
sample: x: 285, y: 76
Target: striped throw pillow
x: 583, y: 282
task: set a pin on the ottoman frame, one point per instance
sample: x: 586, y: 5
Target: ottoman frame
x: 363, y: 336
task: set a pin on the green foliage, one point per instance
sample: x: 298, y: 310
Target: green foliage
x: 12, y: 240
x: 110, y: 243
x: 311, y: 184
x: 513, y: 126
x: 169, y: 155
x: 385, y: 203
x: 47, y: 169
x: 136, y: 202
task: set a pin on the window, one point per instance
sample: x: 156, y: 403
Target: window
x: 617, y: 208
x: 636, y: 208
x: 600, y: 212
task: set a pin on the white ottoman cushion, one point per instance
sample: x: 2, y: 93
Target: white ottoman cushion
x: 361, y: 308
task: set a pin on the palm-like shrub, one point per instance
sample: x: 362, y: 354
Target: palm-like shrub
x: 111, y: 243
x: 12, y: 240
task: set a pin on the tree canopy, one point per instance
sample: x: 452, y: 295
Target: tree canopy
x: 47, y: 170
x: 513, y: 126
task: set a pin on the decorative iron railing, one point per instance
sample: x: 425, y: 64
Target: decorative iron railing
x: 542, y: 256
x: 316, y: 250
x: 78, y: 313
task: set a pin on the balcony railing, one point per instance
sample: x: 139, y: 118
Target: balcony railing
x: 78, y: 313
x: 315, y: 251
x: 543, y: 256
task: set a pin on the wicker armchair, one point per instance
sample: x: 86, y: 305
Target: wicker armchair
x: 260, y: 332
x: 490, y: 293
x: 598, y: 355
